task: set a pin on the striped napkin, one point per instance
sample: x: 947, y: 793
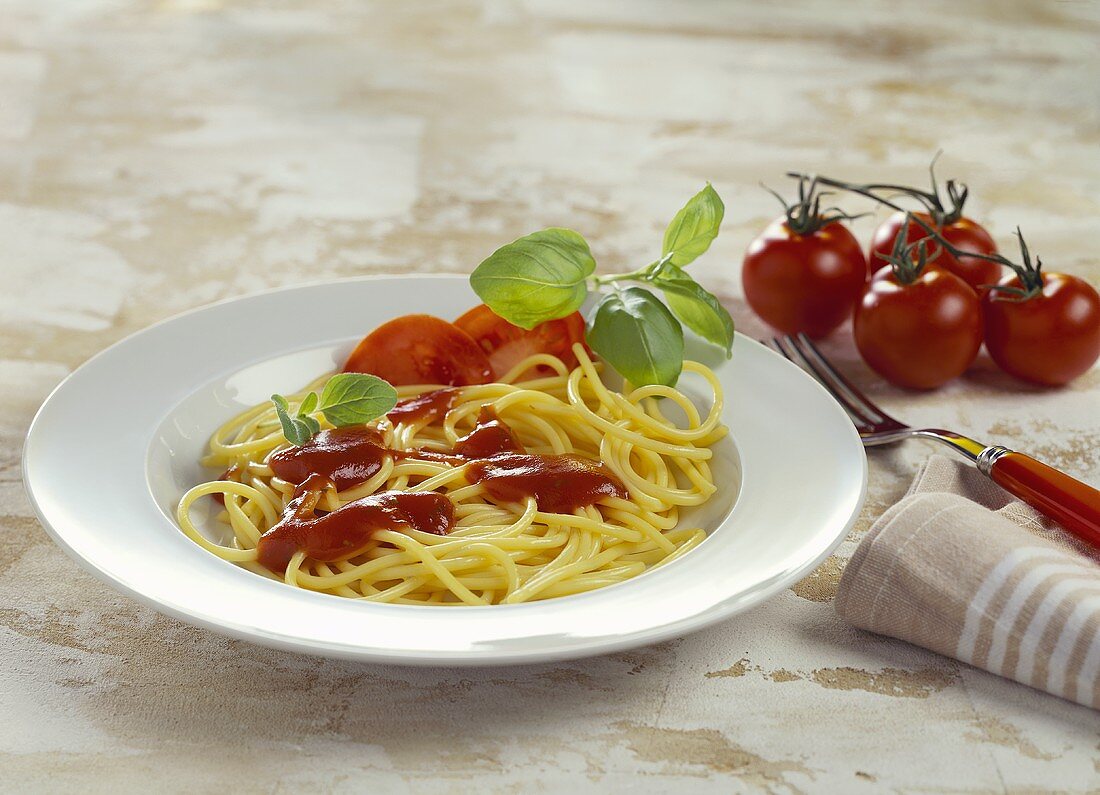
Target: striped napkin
x: 960, y: 567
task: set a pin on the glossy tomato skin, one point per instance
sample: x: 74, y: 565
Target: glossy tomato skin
x: 421, y: 349
x: 1050, y: 338
x: 806, y: 283
x: 963, y: 234
x: 919, y: 335
x: 507, y: 345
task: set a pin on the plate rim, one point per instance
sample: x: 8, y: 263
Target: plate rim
x: 586, y: 647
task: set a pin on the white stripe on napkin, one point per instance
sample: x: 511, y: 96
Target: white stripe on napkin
x: 992, y: 583
x: 1067, y: 640
x: 1006, y: 622
x: 1037, y: 627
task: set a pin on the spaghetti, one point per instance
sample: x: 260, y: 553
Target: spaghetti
x: 491, y: 549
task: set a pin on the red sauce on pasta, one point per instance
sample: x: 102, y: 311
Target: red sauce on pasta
x: 432, y: 405
x: 345, y: 456
x: 347, y: 530
x: 559, y: 483
x: 489, y: 437
x: 233, y: 474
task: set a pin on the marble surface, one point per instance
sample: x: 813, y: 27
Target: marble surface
x: 158, y: 155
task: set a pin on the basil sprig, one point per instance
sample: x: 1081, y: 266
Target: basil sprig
x: 300, y: 427
x: 537, y: 278
x: 694, y: 228
x: 655, y: 354
x: 356, y: 398
x: 346, y: 399
x: 693, y: 305
x: 549, y: 274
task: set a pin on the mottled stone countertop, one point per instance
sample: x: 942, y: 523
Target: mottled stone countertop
x: 156, y: 155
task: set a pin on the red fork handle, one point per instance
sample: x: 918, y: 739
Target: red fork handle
x: 1072, y: 504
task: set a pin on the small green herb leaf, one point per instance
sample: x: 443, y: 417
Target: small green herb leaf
x: 694, y: 227
x: 638, y: 336
x: 537, y: 278
x: 297, y: 429
x: 309, y: 405
x: 697, y: 308
x: 356, y: 398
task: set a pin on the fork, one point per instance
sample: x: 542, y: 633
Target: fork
x: 1072, y: 504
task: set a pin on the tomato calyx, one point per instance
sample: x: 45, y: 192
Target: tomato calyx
x: 908, y: 260
x: 805, y: 216
x: 1029, y: 273
x: 957, y: 193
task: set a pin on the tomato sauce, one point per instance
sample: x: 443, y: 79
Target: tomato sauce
x: 345, y: 456
x: 233, y: 474
x: 432, y: 405
x: 489, y: 437
x: 345, y: 531
x: 559, y: 483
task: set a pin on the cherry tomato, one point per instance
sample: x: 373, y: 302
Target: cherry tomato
x: 963, y: 234
x: 807, y: 282
x: 421, y: 349
x: 918, y: 335
x: 507, y: 345
x: 1051, y: 337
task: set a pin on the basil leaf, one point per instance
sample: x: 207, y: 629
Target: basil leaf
x: 310, y: 422
x: 356, y: 398
x: 537, y: 278
x: 694, y: 306
x: 638, y: 336
x: 297, y: 430
x: 694, y: 227
x: 309, y: 405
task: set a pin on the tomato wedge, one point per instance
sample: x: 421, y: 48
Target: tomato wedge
x: 421, y: 349
x: 507, y: 345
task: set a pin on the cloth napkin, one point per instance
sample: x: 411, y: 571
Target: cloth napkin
x: 958, y: 566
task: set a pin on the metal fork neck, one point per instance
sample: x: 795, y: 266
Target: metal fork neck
x: 990, y: 456
x: 962, y: 444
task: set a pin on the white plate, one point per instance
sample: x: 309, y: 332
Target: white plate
x: 115, y: 446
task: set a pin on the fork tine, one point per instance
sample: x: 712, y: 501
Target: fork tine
x: 773, y: 343
x: 786, y: 345
x: 817, y: 360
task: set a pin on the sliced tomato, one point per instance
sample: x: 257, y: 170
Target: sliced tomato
x: 507, y: 345
x: 421, y: 349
